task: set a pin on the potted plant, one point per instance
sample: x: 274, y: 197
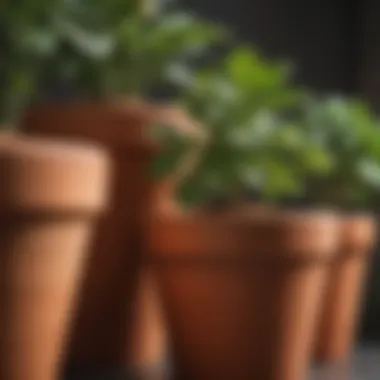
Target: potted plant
x: 51, y: 194
x: 240, y: 285
x: 350, y: 133
x: 112, y: 55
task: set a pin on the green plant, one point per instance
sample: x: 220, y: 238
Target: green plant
x: 100, y: 48
x: 118, y: 48
x: 254, y: 141
x: 350, y: 133
x: 25, y: 44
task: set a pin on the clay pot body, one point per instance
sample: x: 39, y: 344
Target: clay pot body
x: 50, y: 197
x: 109, y: 305
x: 148, y: 335
x: 344, y: 289
x: 240, y: 295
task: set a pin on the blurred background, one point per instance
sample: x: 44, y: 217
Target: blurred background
x: 334, y: 43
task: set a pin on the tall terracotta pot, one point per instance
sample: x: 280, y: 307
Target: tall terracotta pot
x: 148, y: 334
x: 344, y: 289
x: 50, y: 195
x: 113, y: 304
x: 241, y: 294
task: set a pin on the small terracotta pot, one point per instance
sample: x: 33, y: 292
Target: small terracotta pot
x: 241, y: 293
x: 344, y: 289
x: 50, y: 196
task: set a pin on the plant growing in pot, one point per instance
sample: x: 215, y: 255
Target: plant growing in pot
x: 240, y: 285
x: 113, y: 55
x: 350, y: 133
x: 239, y: 102
x: 51, y: 195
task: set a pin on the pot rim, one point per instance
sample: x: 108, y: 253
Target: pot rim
x: 56, y: 120
x: 295, y: 236
x: 42, y: 175
x: 358, y: 234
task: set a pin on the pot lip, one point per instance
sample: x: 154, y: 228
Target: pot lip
x: 8, y: 137
x: 357, y: 231
x: 35, y: 147
x: 116, y: 141
x: 282, y: 213
x: 137, y: 109
x: 303, y: 238
x: 277, y: 217
x: 111, y: 105
x: 357, y: 215
x: 30, y: 164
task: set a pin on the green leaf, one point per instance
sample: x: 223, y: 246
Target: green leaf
x: 94, y: 45
x: 39, y: 43
x: 249, y: 70
x: 370, y: 173
x: 181, y: 33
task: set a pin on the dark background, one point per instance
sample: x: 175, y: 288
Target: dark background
x: 335, y: 45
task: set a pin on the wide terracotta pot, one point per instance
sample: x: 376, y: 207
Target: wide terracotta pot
x: 241, y: 294
x: 50, y: 196
x: 344, y: 289
x: 114, y: 298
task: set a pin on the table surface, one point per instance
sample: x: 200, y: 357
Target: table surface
x: 365, y: 365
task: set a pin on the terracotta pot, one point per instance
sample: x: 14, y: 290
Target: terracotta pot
x: 110, y: 297
x: 344, y: 289
x: 50, y: 196
x: 241, y: 293
x: 148, y: 332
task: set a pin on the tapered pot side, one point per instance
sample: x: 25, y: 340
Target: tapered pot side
x: 344, y: 289
x: 147, y: 332
x: 50, y: 196
x: 241, y: 295
x: 102, y: 334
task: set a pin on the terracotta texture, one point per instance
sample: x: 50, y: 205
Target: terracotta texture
x: 110, y: 305
x: 147, y: 326
x: 241, y: 293
x: 344, y: 288
x: 50, y: 195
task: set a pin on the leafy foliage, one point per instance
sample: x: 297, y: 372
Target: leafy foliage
x: 100, y: 48
x: 124, y: 47
x: 350, y: 134
x: 25, y: 42
x: 244, y: 101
